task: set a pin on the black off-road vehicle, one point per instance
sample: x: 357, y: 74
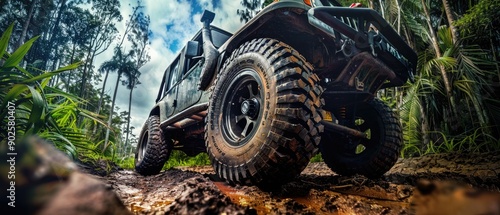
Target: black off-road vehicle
x: 299, y: 77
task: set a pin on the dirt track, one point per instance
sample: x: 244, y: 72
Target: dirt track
x: 453, y: 184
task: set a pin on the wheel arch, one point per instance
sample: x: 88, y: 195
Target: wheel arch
x: 159, y: 110
x: 288, y: 23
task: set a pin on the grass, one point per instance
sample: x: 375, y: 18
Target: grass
x: 316, y: 158
x: 477, y: 141
x: 179, y: 158
x: 127, y: 163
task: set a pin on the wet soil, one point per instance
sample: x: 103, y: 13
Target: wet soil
x: 433, y: 184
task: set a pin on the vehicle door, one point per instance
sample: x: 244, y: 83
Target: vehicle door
x: 193, y: 63
x: 172, y: 87
x: 188, y: 92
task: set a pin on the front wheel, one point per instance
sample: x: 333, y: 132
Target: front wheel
x: 372, y: 156
x: 263, y: 123
x: 153, y: 148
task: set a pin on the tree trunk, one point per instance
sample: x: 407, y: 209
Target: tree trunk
x: 89, y: 74
x: 424, y: 126
x: 84, y: 74
x: 449, y: 16
x: 399, y: 16
x: 26, y: 24
x: 106, y: 140
x: 444, y: 75
x: 54, y: 31
x: 382, y: 11
x: 128, y: 118
x: 58, y: 76
x: 69, y: 75
x: 101, y: 97
x: 72, y: 58
x: 129, y: 151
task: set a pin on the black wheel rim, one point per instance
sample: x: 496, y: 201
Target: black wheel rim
x: 242, y: 108
x: 368, y: 122
x: 142, y: 146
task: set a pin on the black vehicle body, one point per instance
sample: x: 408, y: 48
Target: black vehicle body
x: 354, y: 53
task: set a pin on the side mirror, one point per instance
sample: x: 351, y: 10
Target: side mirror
x: 192, y: 49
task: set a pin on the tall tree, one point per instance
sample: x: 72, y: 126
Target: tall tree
x: 54, y: 29
x: 128, y: 29
x: 77, y: 28
x: 451, y: 20
x: 251, y: 8
x: 122, y: 64
x: 444, y: 75
x: 105, y: 13
x: 140, y: 41
x: 27, y: 23
x: 427, y: 104
x: 130, y: 63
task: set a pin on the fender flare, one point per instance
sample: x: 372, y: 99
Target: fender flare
x: 159, y: 110
x: 248, y: 32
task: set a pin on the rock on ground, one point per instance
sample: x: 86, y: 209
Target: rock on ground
x: 48, y: 182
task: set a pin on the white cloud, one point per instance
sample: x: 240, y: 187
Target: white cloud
x: 181, y: 18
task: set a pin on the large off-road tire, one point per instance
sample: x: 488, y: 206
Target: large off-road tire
x: 153, y: 148
x: 372, y: 157
x: 263, y: 122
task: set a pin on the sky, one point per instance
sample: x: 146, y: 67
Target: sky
x: 173, y: 23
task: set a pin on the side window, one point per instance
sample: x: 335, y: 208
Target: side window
x: 174, y: 74
x: 166, y: 82
x: 219, y: 38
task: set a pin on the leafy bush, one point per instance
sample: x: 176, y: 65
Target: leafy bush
x: 39, y: 109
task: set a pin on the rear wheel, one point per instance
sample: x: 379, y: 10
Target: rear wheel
x: 263, y: 124
x: 373, y: 156
x: 153, y: 148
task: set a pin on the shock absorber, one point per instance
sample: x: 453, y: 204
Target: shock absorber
x: 345, y: 117
x: 343, y: 113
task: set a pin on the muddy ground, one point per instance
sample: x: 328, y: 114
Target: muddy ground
x: 433, y: 184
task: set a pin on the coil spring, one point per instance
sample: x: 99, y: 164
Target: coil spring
x: 342, y: 113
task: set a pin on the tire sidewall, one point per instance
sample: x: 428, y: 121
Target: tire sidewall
x: 144, y: 130
x: 217, y: 145
x: 154, y: 155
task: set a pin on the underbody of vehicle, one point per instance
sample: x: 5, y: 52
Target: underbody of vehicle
x: 298, y: 78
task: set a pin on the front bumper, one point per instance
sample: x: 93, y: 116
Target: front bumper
x: 367, y: 31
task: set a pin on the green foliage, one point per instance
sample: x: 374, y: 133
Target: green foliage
x: 266, y: 2
x: 127, y: 163
x: 39, y: 109
x: 481, y: 18
x: 430, y: 124
x: 476, y: 141
x: 251, y: 8
x: 317, y: 158
x: 179, y: 158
